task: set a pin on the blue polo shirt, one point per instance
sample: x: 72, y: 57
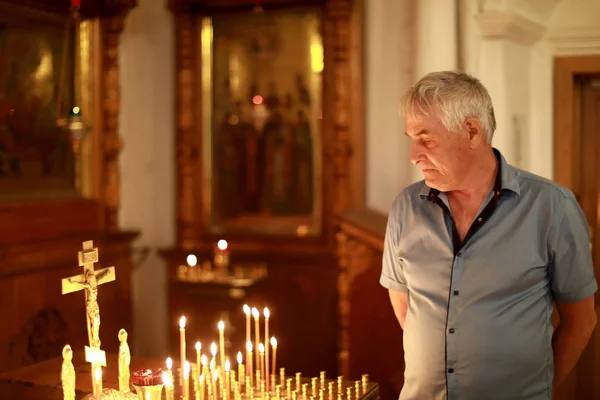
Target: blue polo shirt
x: 479, y: 319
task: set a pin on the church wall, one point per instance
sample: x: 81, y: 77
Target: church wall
x: 147, y: 163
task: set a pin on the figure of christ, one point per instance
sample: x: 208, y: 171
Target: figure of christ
x: 92, y: 309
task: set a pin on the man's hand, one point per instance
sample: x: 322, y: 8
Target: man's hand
x: 577, y: 322
x: 400, y: 305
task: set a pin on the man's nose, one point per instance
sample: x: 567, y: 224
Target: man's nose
x: 416, y: 153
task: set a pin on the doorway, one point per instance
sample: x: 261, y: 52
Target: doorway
x: 577, y: 167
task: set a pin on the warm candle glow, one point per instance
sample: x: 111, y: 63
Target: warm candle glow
x: 239, y: 356
x: 274, y: 342
x: 221, y: 325
x: 169, y: 363
x: 182, y: 322
x: 198, y: 346
x: 204, y: 360
x: 255, y: 313
x: 186, y: 369
x: 227, y: 365
x: 246, y: 309
x: 192, y: 260
x: 222, y: 244
x: 266, y: 313
x: 167, y: 379
x: 213, y: 349
x: 261, y: 348
x: 249, y: 347
x: 98, y: 373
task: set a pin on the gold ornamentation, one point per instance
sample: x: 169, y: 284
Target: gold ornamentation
x: 124, y: 361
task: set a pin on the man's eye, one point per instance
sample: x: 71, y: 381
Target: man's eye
x: 428, y: 143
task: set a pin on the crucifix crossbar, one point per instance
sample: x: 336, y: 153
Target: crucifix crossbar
x: 89, y: 281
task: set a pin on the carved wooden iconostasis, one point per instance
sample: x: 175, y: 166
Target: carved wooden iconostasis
x: 59, y: 174
x: 268, y: 96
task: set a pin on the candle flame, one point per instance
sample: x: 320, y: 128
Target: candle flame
x: 186, y: 369
x: 215, y: 375
x: 201, y: 379
x: 221, y: 325
x: 246, y: 309
x: 204, y: 360
x: 273, y: 342
x: 249, y: 346
x: 169, y: 363
x: 255, y: 313
x: 212, y: 364
x: 198, y: 346
x: 166, y: 379
x: 266, y: 313
x: 222, y: 244
x: 213, y: 349
x: 239, y: 357
x: 192, y: 260
x: 261, y: 348
x: 98, y: 373
x: 182, y: 322
x: 227, y: 365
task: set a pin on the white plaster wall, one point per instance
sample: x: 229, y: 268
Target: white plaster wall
x: 147, y: 162
x: 388, y: 72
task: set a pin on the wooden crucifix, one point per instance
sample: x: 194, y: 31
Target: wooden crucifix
x: 89, y: 281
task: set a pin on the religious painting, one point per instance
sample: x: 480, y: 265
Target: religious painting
x: 38, y: 64
x: 264, y: 111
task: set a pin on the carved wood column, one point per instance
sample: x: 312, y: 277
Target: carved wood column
x: 111, y: 143
x: 188, y: 181
x: 340, y: 148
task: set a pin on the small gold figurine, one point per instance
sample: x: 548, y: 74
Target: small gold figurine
x: 124, y: 361
x: 67, y: 374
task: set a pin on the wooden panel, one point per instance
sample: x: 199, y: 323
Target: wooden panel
x: 37, y: 320
x: 208, y: 6
x: 89, y: 8
x: 370, y: 336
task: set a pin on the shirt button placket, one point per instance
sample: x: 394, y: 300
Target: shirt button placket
x: 451, y: 336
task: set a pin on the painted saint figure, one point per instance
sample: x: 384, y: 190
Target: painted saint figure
x: 67, y: 374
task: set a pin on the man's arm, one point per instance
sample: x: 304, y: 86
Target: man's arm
x: 577, y: 322
x: 400, y: 305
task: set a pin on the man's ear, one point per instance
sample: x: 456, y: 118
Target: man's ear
x: 474, y: 131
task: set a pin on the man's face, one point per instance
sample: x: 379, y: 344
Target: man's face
x: 443, y: 156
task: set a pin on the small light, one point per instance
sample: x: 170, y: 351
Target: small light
x: 192, y: 260
x: 222, y: 244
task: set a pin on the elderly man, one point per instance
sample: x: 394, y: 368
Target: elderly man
x: 478, y: 254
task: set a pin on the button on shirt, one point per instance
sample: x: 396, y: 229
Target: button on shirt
x: 479, y: 318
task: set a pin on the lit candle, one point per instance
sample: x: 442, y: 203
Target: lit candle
x: 240, y: 368
x: 221, y: 327
x: 274, y: 346
x: 267, y: 315
x: 214, y: 382
x: 201, y: 381
x: 249, y: 360
x: 213, y: 351
x: 198, y: 357
x: 97, y: 389
x: 204, y: 362
x: 227, y: 382
x: 170, y: 368
x: 182, y: 348
x: 256, y: 316
x: 261, y: 351
x: 247, y: 311
x: 186, y: 380
x: 168, y: 382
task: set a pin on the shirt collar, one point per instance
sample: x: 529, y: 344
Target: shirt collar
x: 506, y: 179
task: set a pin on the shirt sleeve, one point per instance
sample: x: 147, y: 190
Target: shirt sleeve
x: 392, y: 275
x: 571, y: 268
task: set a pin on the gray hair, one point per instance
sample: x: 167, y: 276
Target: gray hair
x: 453, y: 97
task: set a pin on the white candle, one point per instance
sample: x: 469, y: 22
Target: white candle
x: 186, y: 380
x: 249, y: 361
x: 261, y: 351
x: 227, y: 385
x: 247, y: 311
x: 267, y: 315
x: 198, y: 356
x: 221, y: 327
x: 97, y: 380
x: 240, y: 369
x: 213, y: 351
x: 168, y: 382
x: 182, y: 348
x: 256, y: 316
x: 274, y: 346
